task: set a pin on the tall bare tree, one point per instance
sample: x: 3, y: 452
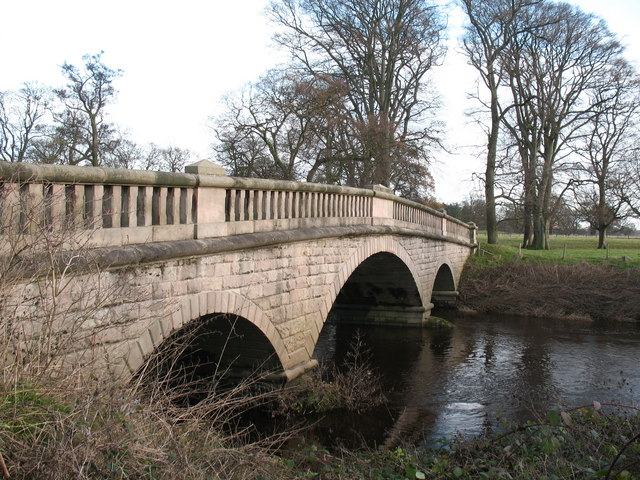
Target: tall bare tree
x: 492, y: 27
x: 267, y: 129
x: 381, y: 50
x: 173, y: 159
x: 551, y: 70
x: 82, y: 127
x: 608, y: 146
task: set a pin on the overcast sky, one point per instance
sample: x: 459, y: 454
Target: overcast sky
x: 179, y: 58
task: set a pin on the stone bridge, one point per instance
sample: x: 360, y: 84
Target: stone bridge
x: 255, y: 267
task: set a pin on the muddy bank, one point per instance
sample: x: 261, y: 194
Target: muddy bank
x: 594, y: 292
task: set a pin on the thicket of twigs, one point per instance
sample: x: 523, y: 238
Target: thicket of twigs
x: 597, y: 292
x: 585, y: 443
x: 352, y: 385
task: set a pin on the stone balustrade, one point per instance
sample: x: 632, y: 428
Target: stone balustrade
x: 120, y: 207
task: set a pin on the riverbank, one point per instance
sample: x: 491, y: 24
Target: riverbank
x: 580, y: 444
x: 573, y: 280
x: 580, y: 291
x: 52, y: 435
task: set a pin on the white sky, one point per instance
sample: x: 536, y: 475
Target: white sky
x: 179, y: 58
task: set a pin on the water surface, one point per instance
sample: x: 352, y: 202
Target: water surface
x: 486, y: 370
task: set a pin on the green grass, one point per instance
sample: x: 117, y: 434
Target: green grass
x: 622, y: 251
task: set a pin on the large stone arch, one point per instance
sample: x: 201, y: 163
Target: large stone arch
x: 369, y: 248
x: 191, y: 309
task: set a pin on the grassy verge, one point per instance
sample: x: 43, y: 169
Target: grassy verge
x: 52, y: 435
x: 48, y: 435
x: 622, y: 251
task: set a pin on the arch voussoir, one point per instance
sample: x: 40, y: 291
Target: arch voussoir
x: 188, y: 310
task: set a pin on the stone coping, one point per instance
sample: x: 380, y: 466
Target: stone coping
x: 111, y: 258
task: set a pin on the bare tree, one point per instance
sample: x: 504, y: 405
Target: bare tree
x: 22, y: 121
x: 126, y: 154
x: 631, y: 196
x: 551, y: 70
x: 608, y: 145
x: 82, y: 126
x: 381, y: 51
x: 492, y: 27
x: 264, y: 129
x: 173, y: 159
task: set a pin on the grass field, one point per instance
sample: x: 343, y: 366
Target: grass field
x: 622, y: 251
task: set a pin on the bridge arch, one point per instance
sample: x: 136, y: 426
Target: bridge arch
x: 444, y: 291
x: 370, y: 249
x: 205, y: 305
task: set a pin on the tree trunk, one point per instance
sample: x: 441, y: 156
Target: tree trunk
x: 492, y: 223
x: 527, y: 234
x: 602, y: 208
x: 490, y: 173
x: 540, y: 229
x: 602, y: 236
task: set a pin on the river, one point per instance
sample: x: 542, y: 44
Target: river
x: 484, y: 371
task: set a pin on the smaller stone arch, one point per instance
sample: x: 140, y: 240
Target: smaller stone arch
x: 195, y: 307
x: 444, y: 292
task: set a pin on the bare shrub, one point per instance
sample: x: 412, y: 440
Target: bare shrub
x: 353, y: 385
x: 598, y: 292
x: 52, y: 317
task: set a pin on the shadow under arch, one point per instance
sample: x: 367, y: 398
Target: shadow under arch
x: 215, y: 349
x: 444, y: 292
x: 382, y: 289
x: 188, y: 316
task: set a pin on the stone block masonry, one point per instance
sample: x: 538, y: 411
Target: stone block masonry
x: 176, y: 248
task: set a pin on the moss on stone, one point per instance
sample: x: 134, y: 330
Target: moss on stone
x: 437, y: 322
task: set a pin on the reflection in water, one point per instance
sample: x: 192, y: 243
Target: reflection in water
x: 484, y: 370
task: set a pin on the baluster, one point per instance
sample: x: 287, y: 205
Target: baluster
x: 145, y: 205
x: 257, y: 205
x: 173, y: 216
x: 277, y: 205
x: 10, y: 208
x: 292, y: 204
x: 32, y: 207
x: 182, y: 207
x: 116, y: 206
x: 74, y: 205
x: 162, y: 206
x: 262, y: 207
x: 236, y: 201
x: 273, y: 205
x: 130, y: 207
x: 98, y: 199
x: 55, y: 204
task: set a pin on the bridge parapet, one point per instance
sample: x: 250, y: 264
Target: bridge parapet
x: 121, y: 207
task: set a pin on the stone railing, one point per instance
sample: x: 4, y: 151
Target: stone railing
x: 119, y: 207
